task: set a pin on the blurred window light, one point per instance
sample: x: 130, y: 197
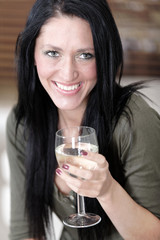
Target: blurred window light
x: 5, y: 191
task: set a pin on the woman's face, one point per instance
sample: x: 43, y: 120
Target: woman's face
x: 65, y: 61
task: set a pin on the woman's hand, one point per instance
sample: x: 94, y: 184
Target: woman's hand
x: 131, y: 220
x: 92, y: 181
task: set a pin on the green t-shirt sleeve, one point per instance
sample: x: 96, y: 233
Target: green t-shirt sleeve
x: 16, y: 156
x: 139, y: 151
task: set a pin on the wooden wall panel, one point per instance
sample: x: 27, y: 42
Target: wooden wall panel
x: 13, y: 16
x: 139, y: 27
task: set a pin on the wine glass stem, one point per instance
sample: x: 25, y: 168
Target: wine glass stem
x: 80, y: 205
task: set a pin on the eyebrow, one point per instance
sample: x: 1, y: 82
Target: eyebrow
x: 60, y: 49
x: 85, y: 49
x: 51, y: 46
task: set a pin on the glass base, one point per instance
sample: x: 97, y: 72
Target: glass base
x: 82, y: 220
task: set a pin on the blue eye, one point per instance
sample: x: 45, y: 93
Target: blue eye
x: 52, y: 53
x: 86, y: 56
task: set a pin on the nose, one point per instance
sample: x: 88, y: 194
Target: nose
x: 68, y: 71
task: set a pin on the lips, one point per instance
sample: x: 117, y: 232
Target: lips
x: 68, y: 88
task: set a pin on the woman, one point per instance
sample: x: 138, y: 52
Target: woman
x: 68, y: 57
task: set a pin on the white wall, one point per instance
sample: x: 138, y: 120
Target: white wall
x: 4, y: 178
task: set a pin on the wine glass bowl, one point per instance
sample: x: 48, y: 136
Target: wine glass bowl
x: 70, y: 144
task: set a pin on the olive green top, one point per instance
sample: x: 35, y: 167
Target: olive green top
x: 138, y: 149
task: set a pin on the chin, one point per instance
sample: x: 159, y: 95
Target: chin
x: 67, y: 108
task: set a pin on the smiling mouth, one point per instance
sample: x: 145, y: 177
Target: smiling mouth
x: 68, y: 88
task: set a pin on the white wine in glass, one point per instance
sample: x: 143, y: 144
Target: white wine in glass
x: 70, y: 143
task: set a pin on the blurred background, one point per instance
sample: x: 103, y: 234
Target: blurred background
x: 139, y: 27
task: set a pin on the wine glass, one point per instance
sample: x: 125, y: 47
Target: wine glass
x: 70, y: 144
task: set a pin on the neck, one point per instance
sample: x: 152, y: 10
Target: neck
x: 70, y: 118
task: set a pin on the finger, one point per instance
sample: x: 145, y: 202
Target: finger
x: 85, y: 174
x: 78, y: 171
x: 88, y: 189
x: 82, y: 162
x: 95, y: 157
x: 69, y: 179
x: 83, y: 192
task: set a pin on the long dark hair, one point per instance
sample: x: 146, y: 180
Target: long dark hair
x: 105, y: 104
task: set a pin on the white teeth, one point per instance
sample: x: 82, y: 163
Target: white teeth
x: 68, y: 88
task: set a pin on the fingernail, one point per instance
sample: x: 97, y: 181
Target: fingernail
x: 58, y: 171
x: 84, y: 153
x: 65, y: 166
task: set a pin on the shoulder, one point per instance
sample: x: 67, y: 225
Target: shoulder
x: 14, y: 133
x: 11, y: 119
x: 11, y: 124
x: 140, y: 108
x: 140, y: 114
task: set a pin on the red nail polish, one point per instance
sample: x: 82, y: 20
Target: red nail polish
x: 58, y: 171
x: 65, y: 166
x: 84, y: 153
